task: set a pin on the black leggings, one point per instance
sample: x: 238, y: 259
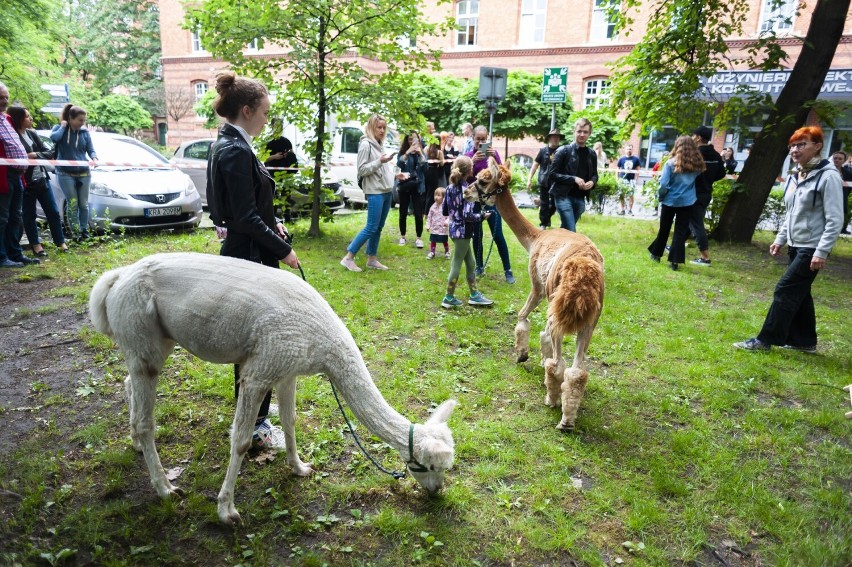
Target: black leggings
x: 416, y: 200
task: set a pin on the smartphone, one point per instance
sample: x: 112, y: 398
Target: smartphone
x: 483, y: 147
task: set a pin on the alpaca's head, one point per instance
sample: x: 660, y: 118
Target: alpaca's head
x: 433, y: 449
x: 489, y: 183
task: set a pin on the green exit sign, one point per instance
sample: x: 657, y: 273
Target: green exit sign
x: 554, y: 84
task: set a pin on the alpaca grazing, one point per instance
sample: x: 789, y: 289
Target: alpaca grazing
x: 273, y: 324
x: 567, y: 268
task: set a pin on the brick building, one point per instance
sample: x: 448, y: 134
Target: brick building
x: 531, y: 35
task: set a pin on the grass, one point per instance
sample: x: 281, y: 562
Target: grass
x: 684, y: 446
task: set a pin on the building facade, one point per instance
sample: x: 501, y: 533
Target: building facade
x: 531, y: 35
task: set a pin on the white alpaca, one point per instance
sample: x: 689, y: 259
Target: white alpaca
x: 273, y: 324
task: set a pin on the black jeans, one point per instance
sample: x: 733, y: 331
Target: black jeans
x: 416, y: 201
x: 791, y: 319
x: 680, y: 216
x: 696, y: 224
x: 495, y: 224
x: 546, y: 208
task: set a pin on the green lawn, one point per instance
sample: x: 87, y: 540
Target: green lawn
x: 686, y: 452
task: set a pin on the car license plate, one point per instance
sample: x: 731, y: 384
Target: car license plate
x: 162, y: 212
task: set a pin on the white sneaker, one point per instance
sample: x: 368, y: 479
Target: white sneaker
x: 418, y: 243
x: 268, y: 437
x: 402, y: 241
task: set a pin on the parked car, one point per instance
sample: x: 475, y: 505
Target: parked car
x: 193, y: 155
x: 132, y: 197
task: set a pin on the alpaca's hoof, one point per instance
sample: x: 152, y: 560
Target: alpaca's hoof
x: 565, y: 426
x: 303, y: 469
x: 523, y: 357
x: 552, y: 402
x: 170, y: 491
x: 229, y: 516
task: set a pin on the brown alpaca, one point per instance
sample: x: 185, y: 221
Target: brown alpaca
x: 567, y: 268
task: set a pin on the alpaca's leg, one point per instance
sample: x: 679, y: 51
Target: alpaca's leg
x: 546, y: 343
x: 573, y: 389
x: 142, y: 388
x: 128, y: 396
x: 584, y: 337
x: 248, y: 404
x: 287, y: 409
x: 554, y: 369
x: 522, y: 329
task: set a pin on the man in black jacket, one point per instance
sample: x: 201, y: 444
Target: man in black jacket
x: 573, y: 174
x: 704, y: 190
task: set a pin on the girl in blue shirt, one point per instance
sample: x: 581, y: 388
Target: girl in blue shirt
x: 72, y: 142
x: 677, y: 195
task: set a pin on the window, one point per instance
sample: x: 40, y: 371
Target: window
x: 597, y: 93
x: 778, y: 15
x: 533, y: 15
x: 200, y: 89
x: 253, y: 45
x: 196, y: 42
x: 467, y: 14
x: 603, y: 24
x: 350, y: 138
x: 198, y: 150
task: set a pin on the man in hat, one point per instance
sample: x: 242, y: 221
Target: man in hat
x: 542, y: 165
x: 627, y: 166
x: 715, y: 170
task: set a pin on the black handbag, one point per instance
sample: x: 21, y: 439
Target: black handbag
x: 410, y: 184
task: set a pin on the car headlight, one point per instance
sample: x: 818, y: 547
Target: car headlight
x: 105, y: 190
x: 190, y: 187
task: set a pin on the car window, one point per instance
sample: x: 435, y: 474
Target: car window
x: 118, y: 150
x: 198, y: 150
x: 351, y: 137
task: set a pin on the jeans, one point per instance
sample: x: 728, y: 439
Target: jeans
x: 43, y: 195
x: 378, y: 207
x: 416, y: 201
x: 696, y: 224
x: 680, y: 216
x: 791, y: 319
x: 495, y: 224
x: 10, y: 218
x: 570, y: 210
x: 76, y: 191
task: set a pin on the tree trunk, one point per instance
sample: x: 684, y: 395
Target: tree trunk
x: 742, y: 211
x: 319, y: 150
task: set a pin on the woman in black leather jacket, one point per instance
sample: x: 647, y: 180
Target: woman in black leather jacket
x: 240, y: 193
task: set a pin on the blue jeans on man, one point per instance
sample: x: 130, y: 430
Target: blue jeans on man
x: 570, y: 210
x: 11, y: 218
x: 378, y: 207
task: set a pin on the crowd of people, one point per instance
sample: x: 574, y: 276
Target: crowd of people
x: 430, y: 174
x: 23, y: 187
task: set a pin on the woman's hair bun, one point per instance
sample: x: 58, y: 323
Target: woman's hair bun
x: 225, y: 81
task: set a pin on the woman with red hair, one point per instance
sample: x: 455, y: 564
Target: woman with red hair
x: 814, y: 200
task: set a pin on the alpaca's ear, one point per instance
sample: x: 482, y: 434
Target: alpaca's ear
x: 442, y: 413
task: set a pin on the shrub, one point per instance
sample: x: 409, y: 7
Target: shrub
x: 606, y: 189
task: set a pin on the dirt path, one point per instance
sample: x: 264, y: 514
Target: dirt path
x: 43, y: 362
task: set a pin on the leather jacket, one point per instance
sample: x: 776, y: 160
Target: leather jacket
x: 564, y: 169
x: 240, y: 194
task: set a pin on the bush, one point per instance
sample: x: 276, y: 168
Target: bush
x: 606, y: 189
x: 773, y: 211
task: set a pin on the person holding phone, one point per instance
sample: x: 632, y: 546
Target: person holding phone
x: 376, y: 173
x: 480, y: 154
x: 412, y: 188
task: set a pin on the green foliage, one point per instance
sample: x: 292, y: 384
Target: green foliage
x: 605, y: 190
x: 204, y: 108
x: 773, y: 211
x: 658, y: 82
x: 115, y: 43
x: 440, y: 98
x: 27, y: 29
x: 119, y: 113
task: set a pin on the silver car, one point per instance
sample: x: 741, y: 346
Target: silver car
x: 131, y: 197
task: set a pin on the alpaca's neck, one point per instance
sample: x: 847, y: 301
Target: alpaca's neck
x: 524, y: 230
x: 354, y: 383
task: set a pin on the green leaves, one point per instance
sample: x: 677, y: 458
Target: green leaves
x: 119, y: 113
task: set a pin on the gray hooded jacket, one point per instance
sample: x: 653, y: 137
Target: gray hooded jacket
x: 376, y: 177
